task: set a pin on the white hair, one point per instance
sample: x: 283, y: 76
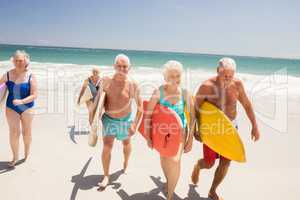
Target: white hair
x: 227, y: 63
x: 21, y: 53
x: 122, y: 57
x: 96, y: 69
x: 172, y: 65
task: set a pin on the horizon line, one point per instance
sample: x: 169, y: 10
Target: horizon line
x: 148, y: 50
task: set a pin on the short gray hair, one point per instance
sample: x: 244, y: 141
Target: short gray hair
x: 122, y: 57
x: 172, y: 65
x: 21, y: 53
x: 227, y: 63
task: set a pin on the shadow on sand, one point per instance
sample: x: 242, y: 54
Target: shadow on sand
x: 82, y: 182
x: 4, y: 166
x: 154, y: 193
x: 72, y: 133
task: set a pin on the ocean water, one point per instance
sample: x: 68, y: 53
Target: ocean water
x: 272, y: 84
x: 72, y: 65
x: 151, y: 59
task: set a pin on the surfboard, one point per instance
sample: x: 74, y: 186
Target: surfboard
x: 96, y: 126
x: 86, y: 96
x: 188, y: 119
x: 219, y: 134
x: 3, y: 94
x: 166, y: 130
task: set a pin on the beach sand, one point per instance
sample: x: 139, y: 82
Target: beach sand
x: 63, y: 166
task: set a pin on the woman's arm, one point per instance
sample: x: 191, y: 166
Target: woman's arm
x: 3, y: 79
x: 148, y: 114
x: 85, y: 83
x: 192, y: 123
x: 139, y: 104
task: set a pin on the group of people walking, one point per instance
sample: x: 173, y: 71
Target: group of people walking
x: 119, y: 122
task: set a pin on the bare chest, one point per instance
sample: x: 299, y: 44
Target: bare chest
x: 116, y: 93
x: 224, y: 98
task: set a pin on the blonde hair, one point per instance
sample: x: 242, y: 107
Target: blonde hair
x: 21, y: 53
x: 227, y: 63
x: 170, y: 66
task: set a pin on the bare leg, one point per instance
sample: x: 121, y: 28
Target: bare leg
x: 108, y: 142
x: 90, y: 107
x: 172, y: 170
x: 220, y: 174
x: 126, y: 152
x: 163, y: 166
x: 13, y: 120
x: 201, y: 164
x: 26, y: 122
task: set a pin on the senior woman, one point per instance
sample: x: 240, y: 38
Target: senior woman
x: 173, y: 96
x: 22, y: 91
x: 93, y: 82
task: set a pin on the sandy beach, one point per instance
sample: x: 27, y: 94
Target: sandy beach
x: 71, y: 45
x: 63, y: 166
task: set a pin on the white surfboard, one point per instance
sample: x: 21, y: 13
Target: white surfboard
x: 87, y: 95
x: 96, y: 126
x: 3, y: 94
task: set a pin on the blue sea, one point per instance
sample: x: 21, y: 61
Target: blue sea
x: 271, y: 83
x: 151, y: 59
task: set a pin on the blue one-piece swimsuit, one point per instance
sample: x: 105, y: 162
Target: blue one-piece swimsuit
x: 94, y: 88
x: 18, y: 91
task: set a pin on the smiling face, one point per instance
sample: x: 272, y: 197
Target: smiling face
x: 122, y: 67
x: 225, y: 75
x: 173, y: 77
x: 20, y: 61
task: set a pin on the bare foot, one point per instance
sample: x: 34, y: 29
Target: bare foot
x: 213, y: 195
x: 103, y: 184
x: 125, y: 165
x: 13, y: 163
x: 165, y: 188
x: 196, y: 172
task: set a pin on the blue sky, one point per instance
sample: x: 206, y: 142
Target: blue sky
x: 256, y: 27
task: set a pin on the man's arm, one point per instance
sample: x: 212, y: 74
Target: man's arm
x: 244, y: 100
x: 139, y: 103
x: 203, y: 92
x: 105, y: 83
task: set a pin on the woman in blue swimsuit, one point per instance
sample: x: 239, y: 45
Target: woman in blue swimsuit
x: 22, y: 91
x: 174, y: 97
x: 93, y: 82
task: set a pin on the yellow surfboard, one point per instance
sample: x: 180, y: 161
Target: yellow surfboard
x: 219, y: 134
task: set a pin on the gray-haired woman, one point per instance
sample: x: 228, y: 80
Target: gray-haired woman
x: 22, y: 91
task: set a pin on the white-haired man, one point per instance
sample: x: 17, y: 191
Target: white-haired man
x: 118, y: 121
x: 223, y: 90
